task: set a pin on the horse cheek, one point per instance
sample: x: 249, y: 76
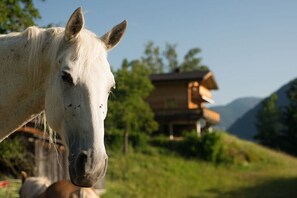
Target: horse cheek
x: 54, y: 110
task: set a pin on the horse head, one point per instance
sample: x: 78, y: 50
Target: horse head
x: 77, y: 94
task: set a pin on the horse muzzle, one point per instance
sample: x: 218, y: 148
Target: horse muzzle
x: 84, y: 171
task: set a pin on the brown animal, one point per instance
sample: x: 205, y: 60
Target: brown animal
x: 65, y: 189
x: 40, y: 187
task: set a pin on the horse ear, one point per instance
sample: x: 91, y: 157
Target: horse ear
x: 74, y: 24
x: 113, y: 37
x: 23, y: 176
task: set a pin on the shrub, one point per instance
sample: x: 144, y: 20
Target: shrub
x: 137, y: 141
x: 208, y: 147
x: 211, y: 148
x: 15, y: 157
x: 114, y: 139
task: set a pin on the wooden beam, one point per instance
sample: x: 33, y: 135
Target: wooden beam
x: 31, y: 130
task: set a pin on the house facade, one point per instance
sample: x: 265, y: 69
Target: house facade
x: 178, y: 101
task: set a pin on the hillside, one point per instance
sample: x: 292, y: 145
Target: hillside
x: 234, y: 110
x: 245, y: 127
x: 157, y: 173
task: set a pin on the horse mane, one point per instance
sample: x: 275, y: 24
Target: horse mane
x: 48, y: 133
x: 51, y: 38
x: 39, y: 39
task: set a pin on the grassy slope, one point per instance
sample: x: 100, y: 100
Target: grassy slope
x: 259, y: 172
x: 267, y: 174
x: 12, y: 190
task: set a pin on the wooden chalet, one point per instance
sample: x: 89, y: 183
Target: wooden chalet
x: 179, y: 99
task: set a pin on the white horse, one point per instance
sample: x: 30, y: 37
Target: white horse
x: 64, y: 72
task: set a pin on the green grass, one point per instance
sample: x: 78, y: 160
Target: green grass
x: 256, y: 172
x: 159, y: 173
x: 11, y: 191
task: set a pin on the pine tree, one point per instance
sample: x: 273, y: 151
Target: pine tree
x: 269, y: 123
x: 290, y: 119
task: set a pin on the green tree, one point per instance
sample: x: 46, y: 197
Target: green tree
x: 128, y: 110
x: 192, y: 62
x: 269, y: 123
x: 15, y: 157
x: 152, y: 58
x: 158, y: 61
x: 290, y: 120
x: 16, y: 15
x: 171, y: 56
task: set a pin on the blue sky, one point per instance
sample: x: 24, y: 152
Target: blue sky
x: 250, y: 45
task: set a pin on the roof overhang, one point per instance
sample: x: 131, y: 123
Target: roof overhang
x: 206, y: 78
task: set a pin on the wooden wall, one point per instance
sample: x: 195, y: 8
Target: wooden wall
x: 169, y: 95
x: 51, y: 161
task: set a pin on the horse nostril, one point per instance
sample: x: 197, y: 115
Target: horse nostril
x: 82, y: 160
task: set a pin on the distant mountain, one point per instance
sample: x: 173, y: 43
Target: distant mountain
x: 245, y: 127
x: 231, y: 112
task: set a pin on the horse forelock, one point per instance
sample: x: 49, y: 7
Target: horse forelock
x: 88, y: 48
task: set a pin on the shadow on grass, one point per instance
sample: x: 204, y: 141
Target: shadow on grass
x: 277, y: 188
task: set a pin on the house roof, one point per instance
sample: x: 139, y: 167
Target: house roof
x: 206, y: 78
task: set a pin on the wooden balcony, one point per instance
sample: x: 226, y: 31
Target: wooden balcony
x: 205, y: 94
x: 187, y: 116
x: 211, y: 116
x: 198, y: 94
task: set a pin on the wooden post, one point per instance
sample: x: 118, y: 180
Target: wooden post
x: 198, y: 128
x: 171, y: 131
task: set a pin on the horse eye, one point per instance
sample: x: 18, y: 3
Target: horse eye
x: 66, y: 77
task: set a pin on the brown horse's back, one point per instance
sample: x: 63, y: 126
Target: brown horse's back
x: 65, y: 189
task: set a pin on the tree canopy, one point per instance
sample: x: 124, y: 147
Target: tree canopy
x: 159, y: 61
x: 16, y: 15
x: 152, y: 58
x: 290, y: 120
x: 269, y: 123
x: 277, y: 126
x: 128, y: 110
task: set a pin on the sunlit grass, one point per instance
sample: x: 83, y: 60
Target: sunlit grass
x: 10, y: 191
x: 157, y: 175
